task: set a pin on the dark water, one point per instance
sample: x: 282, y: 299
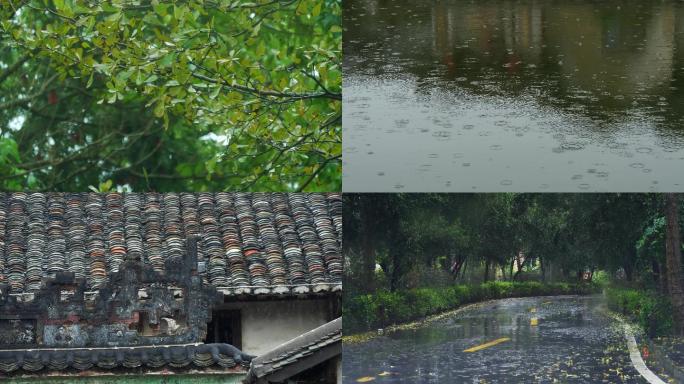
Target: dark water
x: 513, y: 95
x: 572, y: 343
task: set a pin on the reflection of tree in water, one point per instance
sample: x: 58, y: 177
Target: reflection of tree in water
x: 600, y: 59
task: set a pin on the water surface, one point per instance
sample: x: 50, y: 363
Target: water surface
x: 513, y: 95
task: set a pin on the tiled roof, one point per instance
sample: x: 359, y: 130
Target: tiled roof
x: 172, y: 356
x: 305, y: 350
x: 250, y: 241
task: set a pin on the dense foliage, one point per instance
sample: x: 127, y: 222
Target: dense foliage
x: 650, y: 309
x: 559, y: 236
x: 383, y: 308
x: 192, y: 95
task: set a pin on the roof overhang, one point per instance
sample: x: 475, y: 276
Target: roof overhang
x: 297, y: 355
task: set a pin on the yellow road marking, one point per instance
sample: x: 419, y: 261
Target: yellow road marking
x: 487, y: 345
x: 365, y: 379
x: 534, y: 321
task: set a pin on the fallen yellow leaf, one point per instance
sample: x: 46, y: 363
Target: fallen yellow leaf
x: 384, y: 373
x: 365, y: 379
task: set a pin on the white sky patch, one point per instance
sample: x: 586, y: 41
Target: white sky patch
x: 124, y: 188
x: 16, y: 123
x: 220, y: 139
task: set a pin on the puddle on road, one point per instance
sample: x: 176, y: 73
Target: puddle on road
x: 513, y: 96
x: 573, y: 343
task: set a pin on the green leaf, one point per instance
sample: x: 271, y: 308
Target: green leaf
x: 316, y: 10
x: 159, y: 109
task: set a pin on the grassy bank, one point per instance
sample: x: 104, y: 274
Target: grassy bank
x: 649, y: 309
x: 384, y: 308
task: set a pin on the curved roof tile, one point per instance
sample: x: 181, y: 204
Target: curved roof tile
x: 247, y: 240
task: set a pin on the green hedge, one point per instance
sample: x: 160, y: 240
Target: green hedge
x: 651, y: 310
x: 383, y: 308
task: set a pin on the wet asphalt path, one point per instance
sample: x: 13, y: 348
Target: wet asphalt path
x: 573, y: 342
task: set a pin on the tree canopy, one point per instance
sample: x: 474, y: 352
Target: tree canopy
x: 543, y: 236
x: 158, y: 95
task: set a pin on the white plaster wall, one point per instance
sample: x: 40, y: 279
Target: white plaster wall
x: 265, y: 325
x: 338, y: 369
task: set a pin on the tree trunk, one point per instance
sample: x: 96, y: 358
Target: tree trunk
x: 663, y: 278
x: 673, y: 256
x: 396, y: 272
x: 486, y: 271
x: 628, y: 265
x: 367, y: 260
x: 456, y: 266
x: 520, y: 268
x: 656, y: 274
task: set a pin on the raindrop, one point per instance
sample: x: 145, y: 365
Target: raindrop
x: 402, y: 122
x: 506, y: 182
x: 644, y: 150
x: 572, y: 146
x: 441, y: 135
x: 496, y: 147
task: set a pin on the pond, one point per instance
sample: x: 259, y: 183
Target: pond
x: 496, y: 95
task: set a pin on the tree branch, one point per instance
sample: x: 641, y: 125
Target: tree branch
x: 14, y: 67
x: 27, y: 99
x: 313, y: 175
x: 261, y: 93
